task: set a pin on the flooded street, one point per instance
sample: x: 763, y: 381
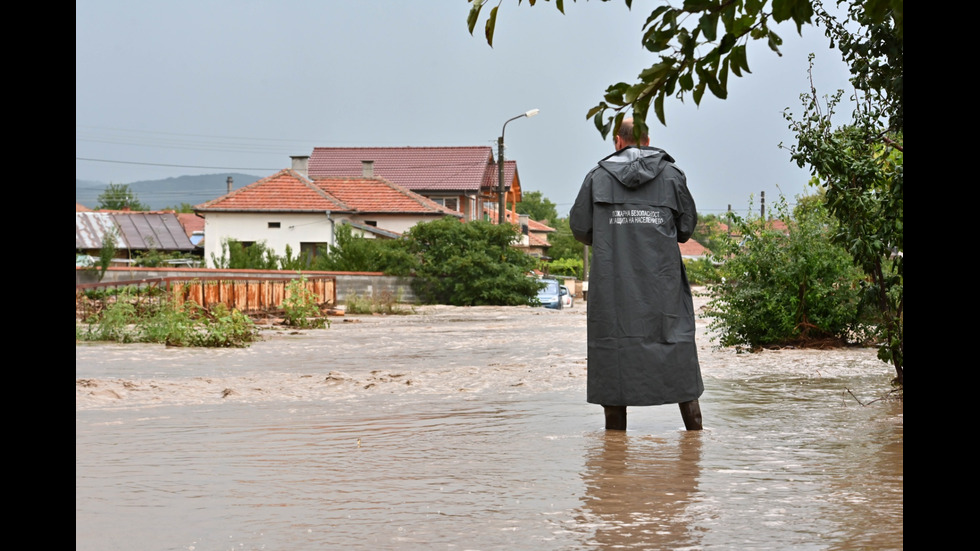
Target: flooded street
x: 467, y: 429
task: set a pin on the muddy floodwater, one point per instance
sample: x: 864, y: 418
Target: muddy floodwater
x: 467, y: 429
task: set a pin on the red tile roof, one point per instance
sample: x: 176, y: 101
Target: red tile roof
x: 289, y: 191
x: 415, y: 168
x: 191, y: 222
x: 692, y: 248
x: 378, y: 195
x: 492, y: 212
x: 284, y: 191
x: 491, y: 176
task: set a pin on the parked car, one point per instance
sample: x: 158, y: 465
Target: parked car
x: 567, y: 300
x: 549, y: 295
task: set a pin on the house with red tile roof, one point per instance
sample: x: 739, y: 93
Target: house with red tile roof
x: 290, y: 209
x: 534, y: 240
x: 463, y: 179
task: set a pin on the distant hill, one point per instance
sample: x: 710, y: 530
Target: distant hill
x: 170, y: 192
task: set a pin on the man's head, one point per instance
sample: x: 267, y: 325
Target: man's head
x: 625, y: 138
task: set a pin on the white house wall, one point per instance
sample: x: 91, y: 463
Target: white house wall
x: 254, y: 227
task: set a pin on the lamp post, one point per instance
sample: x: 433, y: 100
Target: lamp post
x: 500, y: 165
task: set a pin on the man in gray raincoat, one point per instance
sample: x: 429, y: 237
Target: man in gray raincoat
x: 633, y: 209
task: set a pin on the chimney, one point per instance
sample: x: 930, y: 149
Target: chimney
x: 367, y: 169
x: 301, y: 164
x: 525, y: 222
x: 229, y: 181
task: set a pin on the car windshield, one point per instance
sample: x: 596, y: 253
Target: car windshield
x: 550, y: 288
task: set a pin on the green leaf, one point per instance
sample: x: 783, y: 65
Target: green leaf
x: 597, y: 109
x: 491, y: 22
x: 775, y: 42
x: 651, y: 73
x: 614, y: 94
x: 694, y: 6
x: 655, y: 15
x: 716, y: 87
x: 709, y: 25
x: 597, y: 120
x: 687, y: 82
x: 671, y: 83
x: 560, y: 4
x: 474, y: 14
x: 658, y: 108
x: 698, y: 92
x: 723, y: 74
x: 727, y: 42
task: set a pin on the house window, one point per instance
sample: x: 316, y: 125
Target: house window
x: 311, y: 251
x: 451, y: 203
x: 372, y: 223
x: 274, y: 224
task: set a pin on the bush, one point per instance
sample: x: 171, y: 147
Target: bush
x: 469, y: 264
x: 301, y: 307
x: 702, y: 271
x: 787, y: 287
x: 128, y: 317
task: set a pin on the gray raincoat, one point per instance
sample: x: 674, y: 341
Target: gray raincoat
x: 633, y: 209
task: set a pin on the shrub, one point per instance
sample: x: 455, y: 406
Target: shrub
x: 301, y: 307
x: 131, y: 318
x: 469, y: 264
x: 786, y: 287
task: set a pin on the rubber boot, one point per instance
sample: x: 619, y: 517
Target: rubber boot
x: 615, y: 417
x: 691, y: 412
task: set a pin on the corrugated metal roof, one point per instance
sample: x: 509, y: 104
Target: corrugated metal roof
x: 134, y: 230
x: 92, y: 227
x: 148, y: 230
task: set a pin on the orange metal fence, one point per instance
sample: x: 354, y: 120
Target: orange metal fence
x: 248, y: 295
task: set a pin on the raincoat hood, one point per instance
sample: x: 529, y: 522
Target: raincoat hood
x: 635, y: 166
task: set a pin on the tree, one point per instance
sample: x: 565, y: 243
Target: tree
x: 704, y: 41
x: 860, y: 166
x: 120, y: 197
x: 470, y: 264
x: 184, y: 208
x: 538, y: 207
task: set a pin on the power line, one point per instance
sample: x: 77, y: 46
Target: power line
x: 174, y: 166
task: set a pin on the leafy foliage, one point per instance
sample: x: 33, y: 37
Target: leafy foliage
x: 860, y: 166
x: 538, y: 207
x: 119, y: 197
x: 237, y: 256
x: 130, y: 318
x: 357, y: 254
x: 699, y: 44
x: 108, y: 251
x: 301, y: 307
x: 469, y: 264
x: 786, y: 287
x: 569, y: 267
x: 702, y: 271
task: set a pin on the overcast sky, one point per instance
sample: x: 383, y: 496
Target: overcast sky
x: 209, y: 86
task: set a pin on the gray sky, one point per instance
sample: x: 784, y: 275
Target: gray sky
x: 165, y: 89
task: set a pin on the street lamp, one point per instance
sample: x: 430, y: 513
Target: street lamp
x: 500, y: 164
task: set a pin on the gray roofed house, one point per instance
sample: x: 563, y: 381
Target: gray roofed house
x: 134, y: 232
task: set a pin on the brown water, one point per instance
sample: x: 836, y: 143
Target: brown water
x: 467, y: 429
